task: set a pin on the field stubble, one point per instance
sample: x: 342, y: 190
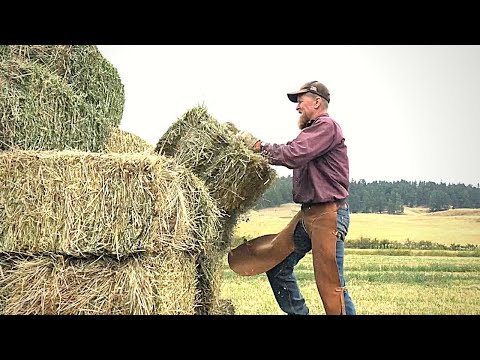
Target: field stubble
x: 379, y: 284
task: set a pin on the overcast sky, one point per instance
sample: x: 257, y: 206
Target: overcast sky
x: 408, y: 112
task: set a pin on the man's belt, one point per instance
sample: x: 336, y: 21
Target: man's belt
x: 341, y: 204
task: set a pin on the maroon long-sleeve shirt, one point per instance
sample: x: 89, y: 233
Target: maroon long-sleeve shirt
x: 318, y: 157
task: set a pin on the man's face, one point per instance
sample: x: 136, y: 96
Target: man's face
x: 306, y: 109
x: 305, y: 105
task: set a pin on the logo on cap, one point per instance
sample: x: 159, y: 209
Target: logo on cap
x: 313, y: 88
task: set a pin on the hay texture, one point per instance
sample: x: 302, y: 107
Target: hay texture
x: 209, y: 268
x: 84, y: 69
x: 137, y: 285
x: 235, y: 176
x: 6, y: 265
x: 40, y: 111
x: 125, y: 142
x: 223, y: 307
x: 91, y: 204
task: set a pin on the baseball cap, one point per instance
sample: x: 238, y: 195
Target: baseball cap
x: 314, y: 87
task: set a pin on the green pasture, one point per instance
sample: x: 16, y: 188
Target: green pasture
x: 381, y: 282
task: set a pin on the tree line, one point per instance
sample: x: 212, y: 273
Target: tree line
x: 387, y: 197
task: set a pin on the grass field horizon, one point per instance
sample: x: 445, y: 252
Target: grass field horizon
x: 454, y: 226
x: 380, y: 284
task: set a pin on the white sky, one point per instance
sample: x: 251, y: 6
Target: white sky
x: 408, y: 112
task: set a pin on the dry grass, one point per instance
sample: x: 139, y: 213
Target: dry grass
x: 83, y: 68
x: 209, y: 279
x: 415, y: 225
x: 39, y: 111
x: 83, y: 204
x: 457, y: 212
x: 235, y: 176
x: 122, y: 141
x: 443, y: 229
x: 115, y: 215
x: 138, y: 285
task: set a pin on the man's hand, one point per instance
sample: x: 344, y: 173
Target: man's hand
x: 247, y: 139
x: 258, y: 146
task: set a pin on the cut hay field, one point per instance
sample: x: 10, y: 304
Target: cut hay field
x: 379, y: 283
x: 459, y: 226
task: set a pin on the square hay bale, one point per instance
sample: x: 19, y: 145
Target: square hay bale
x: 39, y: 111
x: 122, y: 141
x: 235, y: 176
x: 84, y: 69
x: 145, y: 284
x: 91, y: 204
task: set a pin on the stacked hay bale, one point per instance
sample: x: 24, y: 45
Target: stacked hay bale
x: 57, y: 97
x: 110, y: 228
x: 235, y: 176
x: 207, y: 263
x: 93, y: 233
x: 121, y: 141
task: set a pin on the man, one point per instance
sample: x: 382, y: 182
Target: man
x: 318, y: 157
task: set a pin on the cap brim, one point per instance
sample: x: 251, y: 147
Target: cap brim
x: 293, y: 96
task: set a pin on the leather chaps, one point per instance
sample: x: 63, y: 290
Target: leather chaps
x: 264, y: 252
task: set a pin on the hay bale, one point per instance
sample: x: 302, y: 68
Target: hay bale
x: 193, y: 187
x: 137, y: 285
x: 84, y: 69
x: 202, y: 209
x: 235, y: 176
x: 210, y: 267
x: 39, y: 111
x: 82, y: 204
x: 6, y: 265
x: 125, y: 142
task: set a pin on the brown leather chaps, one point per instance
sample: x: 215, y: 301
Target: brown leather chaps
x: 263, y: 253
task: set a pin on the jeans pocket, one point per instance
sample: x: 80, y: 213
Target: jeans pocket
x: 343, y: 222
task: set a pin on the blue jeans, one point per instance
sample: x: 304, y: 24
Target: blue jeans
x: 282, y: 277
